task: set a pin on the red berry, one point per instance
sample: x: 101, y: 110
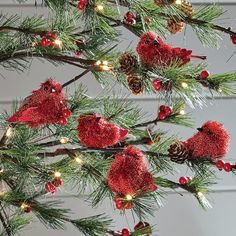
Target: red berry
x: 45, y: 42
x: 204, y: 74
x: 129, y: 15
x: 27, y: 209
x: 162, y: 108
x: 161, y: 115
x: 233, y: 38
x: 53, y: 44
x: 131, y: 21
x: 67, y: 113
x: 140, y: 225
x: 125, y: 232
x: 128, y: 205
x: 119, y: 205
x: 183, y: 180
x: 58, y: 182
x: 149, y: 142
x: 220, y: 164
x: 157, y: 84
x: 227, y: 167
x: 50, y: 187
x: 81, y: 4
x: 189, y: 179
x: 167, y: 110
x: 78, y: 53
x: 62, y: 121
x: 51, y: 34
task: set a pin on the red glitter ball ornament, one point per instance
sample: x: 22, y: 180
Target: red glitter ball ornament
x: 157, y: 85
x: 220, y: 164
x: 211, y: 141
x: 95, y: 131
x: 154, y: 52
x: 228, y: 167
x: 45, y: 42
x: 50, y: 187
x: 183, y: 180
x: 204, y: 74
x: 128, y: 173
x: 125, y: 232
x: 233, y: 39
x: 44, y: 106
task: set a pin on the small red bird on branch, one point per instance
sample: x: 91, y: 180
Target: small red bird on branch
x: 154, y: 52
x: 46, y: 105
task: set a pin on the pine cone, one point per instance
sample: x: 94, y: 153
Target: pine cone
x: 128, y: 63
x: 175, y: 26
x: 178, y: 152
x: 162, y: 3
x: 135, y: 84
x: 187, y: 8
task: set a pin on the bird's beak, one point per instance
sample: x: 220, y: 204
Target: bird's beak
x: 156, y: 43
x: 200, y: 129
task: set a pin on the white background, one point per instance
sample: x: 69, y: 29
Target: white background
x: 181, y: 216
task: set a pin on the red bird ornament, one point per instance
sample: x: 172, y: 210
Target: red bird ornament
x: 128, y: 173
x: 154, y: 52
x: 47, y: 105
x: 96, y: 131
x: 211, y: 141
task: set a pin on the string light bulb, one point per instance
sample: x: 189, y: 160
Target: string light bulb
x: 220, y: 90
x: 9, y: 132
x: 1, y: 170
x: 182, y: 112
x: 178, y: 2
x: 128, y: 197
x: 58, y: 42
x: 64, y: 140
x: 78, y: 160
x: 24, y: 206
x: 105, y: 67
x: 57, y: 174
x: 98, y: 63
x: 99, y: 8
x: 184, y: 85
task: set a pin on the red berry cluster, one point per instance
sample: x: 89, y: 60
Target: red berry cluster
x: 51, y: 187
x: 183, y: 180
x: 228, y: 167
x: 233, y: 39
x: 122, y: 203
x: 63, y: 120
x: 204, y: 74
x: 164, y: 112
x: 129, y: 18
x: 82, y: 4
x: 49, y: 39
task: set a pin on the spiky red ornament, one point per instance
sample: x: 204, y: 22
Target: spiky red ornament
x: 96, y: 131
x: 45, y: 106
x: 154, y: 52
x: 128, y: 173
x: 211, y: 141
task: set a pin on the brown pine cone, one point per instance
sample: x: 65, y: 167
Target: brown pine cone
x: 128, y: 63
x: 162, y: 3
x: 187, y: 8
x: 178, y: 152
x: 135, y: 84
x: 175, y: 26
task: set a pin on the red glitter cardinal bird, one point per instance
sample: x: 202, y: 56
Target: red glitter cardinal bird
x: 128, y: 173
x: 211, y: 141
x: 154, y: 52
x: 95, y: 131
x: 46, y: 105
